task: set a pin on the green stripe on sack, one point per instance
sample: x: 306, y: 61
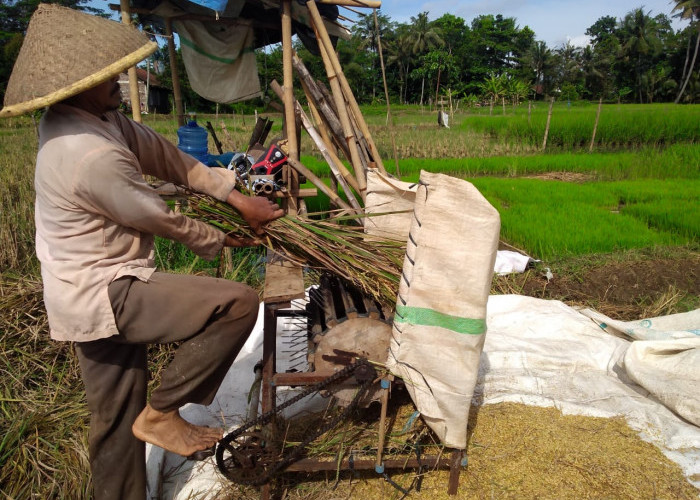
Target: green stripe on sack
x: 199, y: 50
x: 430, y: 317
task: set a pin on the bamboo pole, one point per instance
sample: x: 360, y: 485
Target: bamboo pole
x: 337, y: 200
x: 316, y: 116
x: 333, y: 162
x: 325, y: 41
x: 292, y: 179
x: 329, y: 158
x: 177, y: 92
x: 546, y: 129
x: 133, y: 80
x: 386, y: 94
x: 595, y: 125
x: 324, y: 105
x: 341, y: 108
x: 328, y: 143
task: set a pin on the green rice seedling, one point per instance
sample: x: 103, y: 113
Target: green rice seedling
x: 572, y: 127
x: 573, y: 219
x: 667, y: 215
x: 675, y: 161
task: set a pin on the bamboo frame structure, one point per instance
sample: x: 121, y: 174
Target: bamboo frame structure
x: 133, y: 80
x: 291, y: 177
x: 348, y: 134
x: 325, y: 41
x: 177, y: 92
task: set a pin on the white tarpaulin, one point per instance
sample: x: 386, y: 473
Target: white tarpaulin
x: 439, y: 323
x: 544, y: 353
x: 537, y: 352
x: 664, y: 357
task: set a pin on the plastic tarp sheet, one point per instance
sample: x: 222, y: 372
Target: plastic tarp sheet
x: 545, y: 353
x: 536, y: 352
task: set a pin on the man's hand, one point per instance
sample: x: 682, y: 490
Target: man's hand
x: 256, y: 210
x: 231, y: 241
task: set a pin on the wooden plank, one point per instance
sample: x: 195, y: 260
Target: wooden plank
x: 283, y: 281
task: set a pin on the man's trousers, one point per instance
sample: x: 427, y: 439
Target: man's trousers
x: 211, y: 318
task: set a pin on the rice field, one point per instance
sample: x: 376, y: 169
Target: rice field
x: 637, y: 190
x: 572, y: 126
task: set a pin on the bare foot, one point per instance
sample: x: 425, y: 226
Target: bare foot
x: 171, y: 432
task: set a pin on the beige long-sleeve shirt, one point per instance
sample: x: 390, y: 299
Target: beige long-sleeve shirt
x: 96, y: 215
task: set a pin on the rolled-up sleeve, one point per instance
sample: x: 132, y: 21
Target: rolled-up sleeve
x: 109, y: 182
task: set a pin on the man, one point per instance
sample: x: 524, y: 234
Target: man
x: 95, y: 221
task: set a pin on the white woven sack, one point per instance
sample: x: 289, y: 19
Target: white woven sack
x: 394, y: 200
x: 440, y: 319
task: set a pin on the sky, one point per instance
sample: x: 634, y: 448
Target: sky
x: 554, y: 21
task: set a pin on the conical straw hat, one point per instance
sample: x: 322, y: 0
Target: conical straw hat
x: 66, y: 52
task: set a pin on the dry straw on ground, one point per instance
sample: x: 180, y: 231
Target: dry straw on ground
x: 519, y: 452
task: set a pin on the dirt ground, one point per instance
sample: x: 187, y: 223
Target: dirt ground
x: 626, y: 287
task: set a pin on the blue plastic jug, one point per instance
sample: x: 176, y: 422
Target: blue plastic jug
x: 193, y: 140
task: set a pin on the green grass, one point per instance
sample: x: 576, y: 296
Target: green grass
x: 626, y: 125
x: 676, y: 161
x: 551, y: 219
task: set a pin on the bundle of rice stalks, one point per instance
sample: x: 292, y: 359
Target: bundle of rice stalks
x: 371, y: 263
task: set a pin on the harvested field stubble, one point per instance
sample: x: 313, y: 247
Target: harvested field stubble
x: 43, y: 452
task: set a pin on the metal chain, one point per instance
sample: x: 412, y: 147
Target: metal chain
x: 297, y: 451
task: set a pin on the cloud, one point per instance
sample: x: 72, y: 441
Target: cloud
x: 579, y: 41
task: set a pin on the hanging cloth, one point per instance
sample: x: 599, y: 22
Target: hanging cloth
x: 220, y: 60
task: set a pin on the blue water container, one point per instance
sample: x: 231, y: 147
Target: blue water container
x: 193, y: 140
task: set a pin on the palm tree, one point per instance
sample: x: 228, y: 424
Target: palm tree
x: 400, y: 52
x: 365, y: 31
x: 538, y: 57
x: 640, y: 40
x: 688, y: 9
x: 424, y: 37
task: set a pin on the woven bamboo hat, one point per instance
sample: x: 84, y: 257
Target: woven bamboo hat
x: 66, y: 52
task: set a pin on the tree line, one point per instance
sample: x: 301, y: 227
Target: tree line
x: 637, y: 58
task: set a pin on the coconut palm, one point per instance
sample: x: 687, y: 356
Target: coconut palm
x: 424, y: 37
x: 688, y: 9
x: 538, y: 57
x: 399, y: 53
x: 640, y: 41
